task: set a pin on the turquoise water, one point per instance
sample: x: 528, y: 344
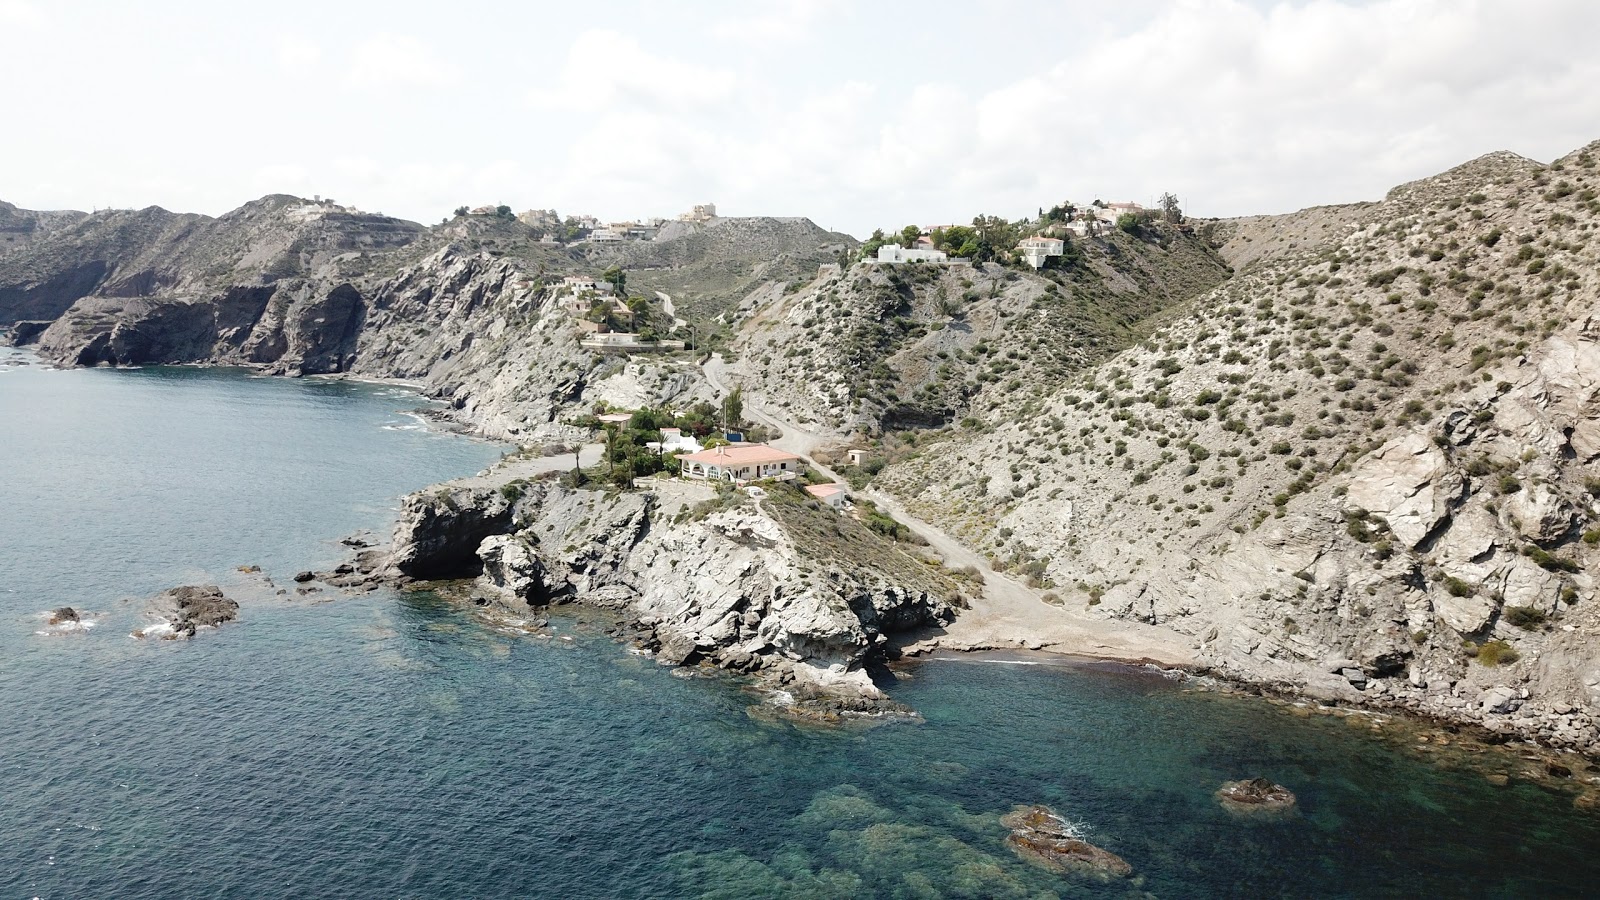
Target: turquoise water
x: 396, y: 746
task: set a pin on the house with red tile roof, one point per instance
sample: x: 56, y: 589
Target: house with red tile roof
x: 739, y: 463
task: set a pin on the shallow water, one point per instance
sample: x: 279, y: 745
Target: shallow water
x: 394, y: 745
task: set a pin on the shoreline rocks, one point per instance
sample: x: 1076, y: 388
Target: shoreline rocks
x: 738, y: 587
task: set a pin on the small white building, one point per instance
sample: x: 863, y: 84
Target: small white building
x: 673, y: 440
x: 739, y: 463
x: 836, y: 495
x: 894, y: 253
x: 1036, y: 250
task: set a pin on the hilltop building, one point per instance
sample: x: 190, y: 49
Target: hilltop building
x: 894, y: 253
x: 1037, y: 250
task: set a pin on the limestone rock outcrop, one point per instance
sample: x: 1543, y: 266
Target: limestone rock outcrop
x: 737, y: 586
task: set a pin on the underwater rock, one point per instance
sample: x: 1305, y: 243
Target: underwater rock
x: 1256, y: 797
x: 1047, y: 840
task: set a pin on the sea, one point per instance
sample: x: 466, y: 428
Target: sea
x: 399, y: 744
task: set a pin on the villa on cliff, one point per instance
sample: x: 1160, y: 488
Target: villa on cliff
x: 739, y: 463
x: 1036, y: 250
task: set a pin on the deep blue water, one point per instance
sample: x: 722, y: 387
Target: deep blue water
x: 394, y: 745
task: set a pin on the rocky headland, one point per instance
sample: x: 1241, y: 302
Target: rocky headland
x: 781, y: 588
x: 1349, y: 453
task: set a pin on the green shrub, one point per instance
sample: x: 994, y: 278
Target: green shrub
x: 1497, y: 653
x: 1455, y: 587
x: 1549, y: 561
x: 1525, y: 617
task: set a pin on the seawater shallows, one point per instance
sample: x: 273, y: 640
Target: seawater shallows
x: 392, y: 745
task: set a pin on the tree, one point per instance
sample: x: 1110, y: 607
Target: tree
x: 909, y: 235
x: 618, y: 279
x: 1170, y: 210
x: 461, y: 210
x: 869, y: 250
x: 504, y: 212
x: 733, y: 409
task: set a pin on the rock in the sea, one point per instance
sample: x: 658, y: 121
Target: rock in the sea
x: 1256, y: 797
x: 1045, y: 839
x: 63, y: 616
x: 303, y: 577
x: 192, y: 607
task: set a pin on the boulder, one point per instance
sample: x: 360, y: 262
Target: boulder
x: 511, y: 570
x: 1256, y: 797
x: 1500, y: 699
x: 192, y: 607
x: 1466, y: 615
x: 1410, y: 484
x: 1049, y: 841
x: 66, y: 615
x: 304, y: 577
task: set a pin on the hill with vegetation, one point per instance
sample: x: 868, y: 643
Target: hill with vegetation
x: 1363, y: 465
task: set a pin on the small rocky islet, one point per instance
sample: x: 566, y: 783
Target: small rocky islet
x: 1042, y: 837
x: 1257, y: 798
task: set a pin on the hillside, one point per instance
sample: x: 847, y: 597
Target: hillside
x: 709, y: 268
x: 21, y: 227
x: 1365, y: 464
x: 923, y: 346
x: 469, y: 307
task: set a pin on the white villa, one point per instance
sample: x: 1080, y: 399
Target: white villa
x: 739, y: 463
x: 836, y: 495
x: 1038, y: 249
x: 894, y: 253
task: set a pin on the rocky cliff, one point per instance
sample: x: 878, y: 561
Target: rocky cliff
x: 780, y: 587
x: 467, y: 308
x: 1364, y: 467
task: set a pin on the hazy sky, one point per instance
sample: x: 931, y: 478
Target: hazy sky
x: 855, y: 114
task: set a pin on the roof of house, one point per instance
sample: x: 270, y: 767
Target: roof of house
x: 1036, y: 241
x: 742, y: 455
x: 825, y: 490
x: 615, y: 417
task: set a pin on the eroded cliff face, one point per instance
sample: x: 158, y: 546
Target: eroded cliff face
x: 727, y: 582
x: 1365, y: 467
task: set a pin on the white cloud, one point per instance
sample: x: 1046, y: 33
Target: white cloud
x: 607, y: 70
x: 20, y: 13
x: 297, y: 54
x: 778, y: 21
x: 398, y: 61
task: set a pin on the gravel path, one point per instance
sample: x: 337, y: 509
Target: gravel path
x: 1009, y: 613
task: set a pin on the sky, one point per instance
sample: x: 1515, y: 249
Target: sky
x: 856, y: 115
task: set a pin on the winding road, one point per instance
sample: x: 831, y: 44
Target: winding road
x: 1009, y: 614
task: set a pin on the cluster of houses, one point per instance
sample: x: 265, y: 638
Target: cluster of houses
x: 598, y: 232
x: 1089, y: 220
x: 579, y: 295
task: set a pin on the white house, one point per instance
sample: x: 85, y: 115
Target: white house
x: 673, y: 440
x: 739, y: 463
x: 1038, y: 249
x: 894, y: 253
x: 835, y: 495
